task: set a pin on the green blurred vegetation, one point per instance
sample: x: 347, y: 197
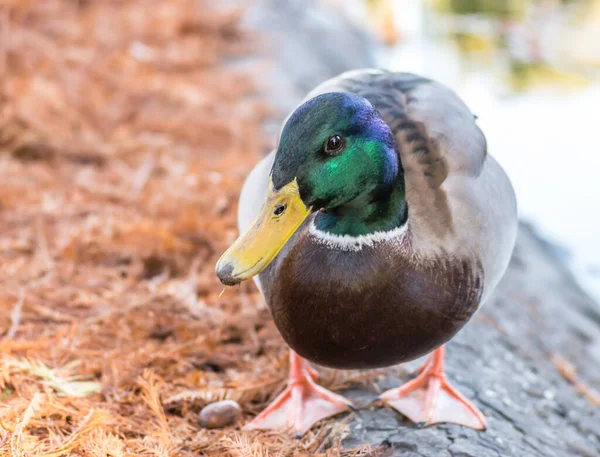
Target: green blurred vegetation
x: 537, y: 42
x: 495, y: 8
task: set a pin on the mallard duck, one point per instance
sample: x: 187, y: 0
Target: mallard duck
x: 377, y: 229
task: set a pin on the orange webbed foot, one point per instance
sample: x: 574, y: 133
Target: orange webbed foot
x: 430, y: 399
x: 302, y: 404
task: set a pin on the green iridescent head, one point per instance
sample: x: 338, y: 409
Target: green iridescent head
x: 335, y: 156
x: 338, y: 149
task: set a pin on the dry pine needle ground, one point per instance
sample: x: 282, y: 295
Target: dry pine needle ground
x: 124, y: 140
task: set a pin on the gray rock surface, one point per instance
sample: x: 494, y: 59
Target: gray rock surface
x: 305, y: 42
x: 507, y: 358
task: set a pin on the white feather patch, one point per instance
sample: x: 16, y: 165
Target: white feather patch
x: 356, y: 243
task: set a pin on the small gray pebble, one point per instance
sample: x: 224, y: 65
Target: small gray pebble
x: 220, y: 414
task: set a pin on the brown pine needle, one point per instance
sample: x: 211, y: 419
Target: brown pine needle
x: 15, y: 315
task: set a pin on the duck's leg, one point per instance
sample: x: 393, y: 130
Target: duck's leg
x: 430, y: 399
x: 302, y: 403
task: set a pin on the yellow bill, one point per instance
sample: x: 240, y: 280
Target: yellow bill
x: 281, y: 215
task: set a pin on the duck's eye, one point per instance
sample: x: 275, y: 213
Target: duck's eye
x: 278, y: 210
x: 334, y: 144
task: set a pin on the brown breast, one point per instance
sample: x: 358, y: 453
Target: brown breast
x: 370, y: 308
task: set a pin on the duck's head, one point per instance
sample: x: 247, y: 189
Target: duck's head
x: 335, y: 151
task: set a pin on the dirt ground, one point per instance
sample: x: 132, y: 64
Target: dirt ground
x: 124, y: 140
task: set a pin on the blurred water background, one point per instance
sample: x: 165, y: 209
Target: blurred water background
x: 530, y: 71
